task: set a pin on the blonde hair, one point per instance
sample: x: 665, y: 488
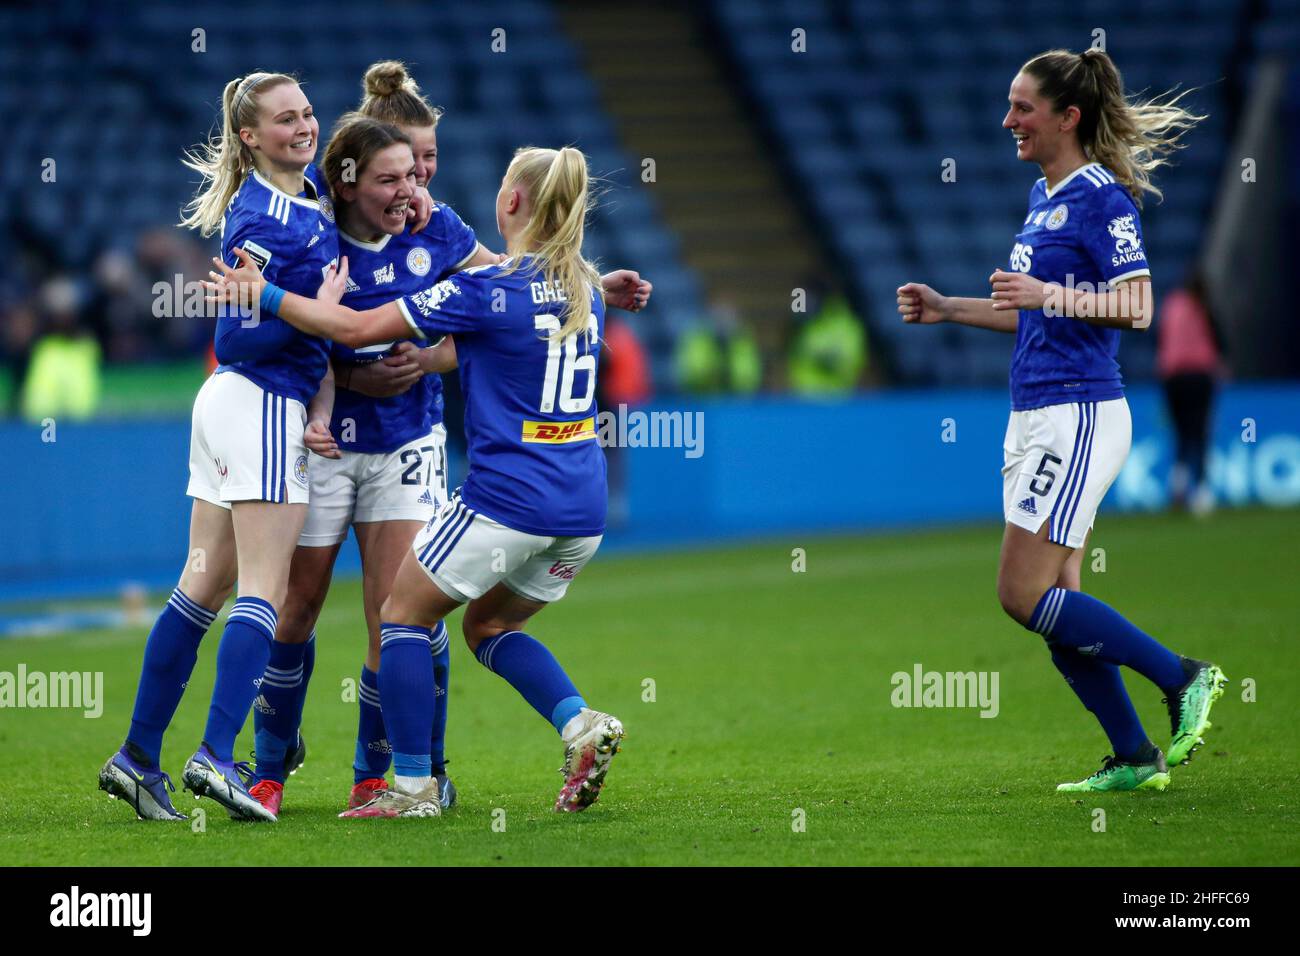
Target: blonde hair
x: 557, y: 184
x: 1131, y: 138
x: 392, y: 96
x: 224, y: 160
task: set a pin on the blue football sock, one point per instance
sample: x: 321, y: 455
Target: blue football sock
x: 169, y: 657
x: 1100, y: 686
x: 373, y: 754
x: 1080, y: 621
x: 308, y: 665
x: 406, y: 676
x: 241, y: 660
x: 278, y: 709
x: 532, y: 670
x: 441, y: 647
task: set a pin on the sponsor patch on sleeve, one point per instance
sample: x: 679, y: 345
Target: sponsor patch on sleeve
x: 258, y: 254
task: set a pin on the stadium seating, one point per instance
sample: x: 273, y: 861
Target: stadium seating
x: 885, y: 93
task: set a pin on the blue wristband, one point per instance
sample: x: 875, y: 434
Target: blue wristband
x: 271, y: 297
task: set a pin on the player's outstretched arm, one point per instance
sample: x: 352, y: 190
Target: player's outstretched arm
x: 919, y: 304
x: 1128, y: 305
x: 322, y: 316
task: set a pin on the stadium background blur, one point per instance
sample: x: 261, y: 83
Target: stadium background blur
x: 776, y: 168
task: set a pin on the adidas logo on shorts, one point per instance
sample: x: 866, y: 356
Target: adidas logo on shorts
x: 1027, y: 506
x: 425, y: 499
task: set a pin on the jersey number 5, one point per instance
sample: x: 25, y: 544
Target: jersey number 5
x: 1044, y: 472
x: 562, y: 370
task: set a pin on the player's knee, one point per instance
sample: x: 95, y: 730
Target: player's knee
x: 477, y: 630
x: 297, y: 618
x: 1018, y: 600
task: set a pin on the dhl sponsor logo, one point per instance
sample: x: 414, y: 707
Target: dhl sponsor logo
x: 560, y: 433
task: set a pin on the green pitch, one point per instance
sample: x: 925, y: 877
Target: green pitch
x: 760, y: 716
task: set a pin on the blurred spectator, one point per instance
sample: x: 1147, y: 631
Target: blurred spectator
x: 623, y: 380
x: 719, y: 356
x: 1189, y: 351
x: 63, y: 373
x: 16, y: 347
x: 830, y: 347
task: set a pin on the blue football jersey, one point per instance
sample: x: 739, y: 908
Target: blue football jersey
x: 1086, y: 228
x: 293, y: 241
x: 535, y: 464
x: 379, y: 272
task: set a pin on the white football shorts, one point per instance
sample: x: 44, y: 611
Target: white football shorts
x: 409, y: 484
x: 246, y: 444
x: 466, y: 553
x: 1058, y: 463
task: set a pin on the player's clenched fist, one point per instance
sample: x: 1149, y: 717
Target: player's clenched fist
x: 918, y: 303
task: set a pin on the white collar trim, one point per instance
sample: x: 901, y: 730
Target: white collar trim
x: 376, y: 246
x: 1064, y: 182
x: 309, y: 203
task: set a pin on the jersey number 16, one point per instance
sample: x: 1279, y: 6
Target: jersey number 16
x: 568, y: 367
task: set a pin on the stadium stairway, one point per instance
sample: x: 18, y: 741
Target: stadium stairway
x: 716, y: 184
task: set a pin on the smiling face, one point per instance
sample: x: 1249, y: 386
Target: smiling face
x: 286, y: 133
x: 1040, y: 132
x: 424, y: 145
x: 378, y: 199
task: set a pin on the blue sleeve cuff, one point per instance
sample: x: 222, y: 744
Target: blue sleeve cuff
x: 272, y: 295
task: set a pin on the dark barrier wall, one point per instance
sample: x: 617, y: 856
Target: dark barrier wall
x: 104, y: 504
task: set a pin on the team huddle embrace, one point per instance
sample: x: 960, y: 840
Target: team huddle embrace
x: 345, y: 290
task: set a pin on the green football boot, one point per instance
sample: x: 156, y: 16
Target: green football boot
x: 1118, y: 774
x: 1189, y: 709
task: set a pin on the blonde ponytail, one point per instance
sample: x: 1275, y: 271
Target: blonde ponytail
x: 224, y: 160
x: 558, y: 187
x: 1131, y: 138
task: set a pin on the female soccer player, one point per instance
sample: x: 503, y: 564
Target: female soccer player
x: 531, y: 513
x: 391, y: 476
x: 248, y: 454
x: 1078, y: 275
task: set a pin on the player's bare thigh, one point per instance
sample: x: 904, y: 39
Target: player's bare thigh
x: 1028, y: 566
x: 266, y: 534
x: 383, y: 546
x: 211, y: 565
x: 414, y: 599
x: 496, y: 612
x: 310, y: 571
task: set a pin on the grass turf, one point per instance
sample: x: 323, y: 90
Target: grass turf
x: 772, y: 695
